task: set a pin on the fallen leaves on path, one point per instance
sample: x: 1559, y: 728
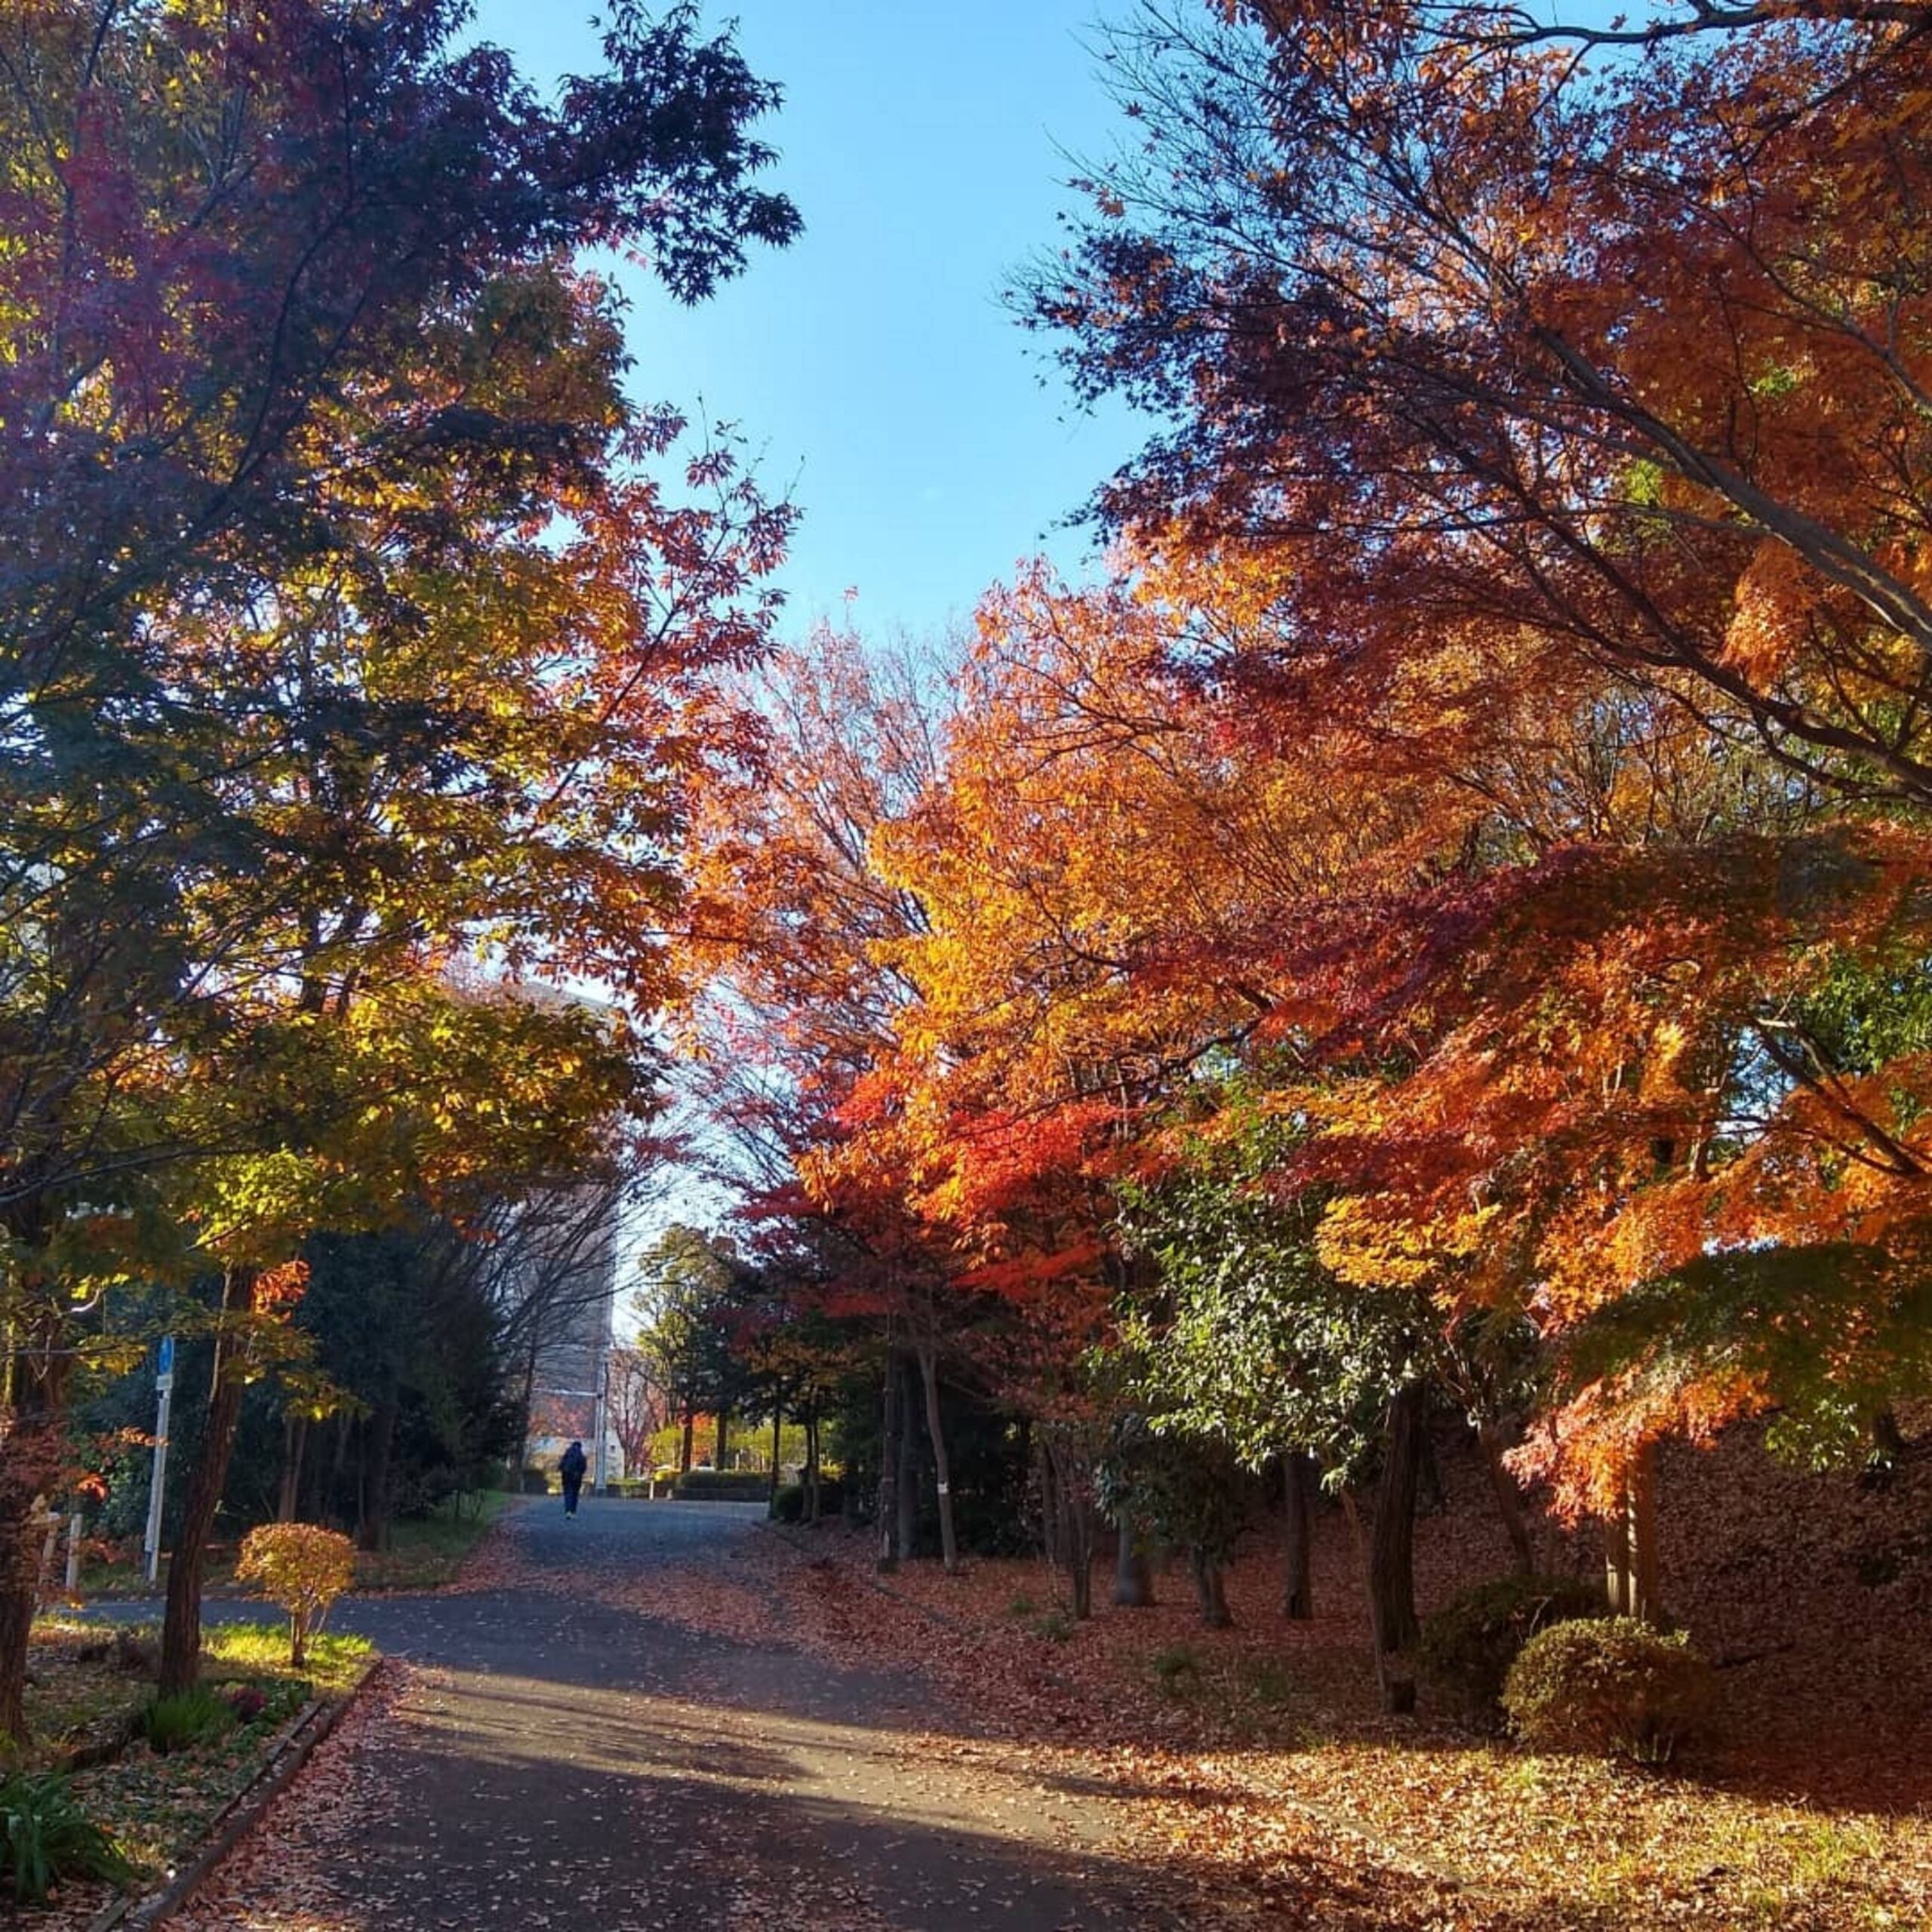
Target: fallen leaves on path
x: 1269, y: 1781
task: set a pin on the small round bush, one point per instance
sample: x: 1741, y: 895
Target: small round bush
x: 1610, y: 1687
x: 303, y: 1567
x: 1469, y: 1643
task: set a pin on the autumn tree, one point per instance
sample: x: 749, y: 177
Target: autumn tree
x: 1519, y: 379
x: 327, y: 565
x: 1482, y: 327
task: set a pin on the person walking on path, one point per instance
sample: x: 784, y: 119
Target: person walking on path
x: 571, y: 1469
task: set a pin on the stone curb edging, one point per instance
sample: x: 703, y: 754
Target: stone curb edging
x: 1398, y: 1858
x: 238, y: 1816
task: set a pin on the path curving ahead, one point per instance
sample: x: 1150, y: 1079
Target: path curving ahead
x: 557, y: 1748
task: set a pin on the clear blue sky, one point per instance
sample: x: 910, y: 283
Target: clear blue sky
x: 871, y: 364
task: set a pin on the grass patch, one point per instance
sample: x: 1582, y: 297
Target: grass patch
x: 261, y: 1650
x: 426, y: 1554
x: 1177, y: 1669
x: 1269, y: 1681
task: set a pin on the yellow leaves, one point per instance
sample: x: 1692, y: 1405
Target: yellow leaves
x: 1375, y: 1241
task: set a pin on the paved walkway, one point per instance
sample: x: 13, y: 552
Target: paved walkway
x: 548, y: 1754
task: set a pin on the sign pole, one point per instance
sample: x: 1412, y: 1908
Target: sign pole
x: 164, y: 1385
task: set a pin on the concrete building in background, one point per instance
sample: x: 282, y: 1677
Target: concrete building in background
x: 559, y: 1292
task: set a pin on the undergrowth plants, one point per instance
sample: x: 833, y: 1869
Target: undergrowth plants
x: 45, y: 1838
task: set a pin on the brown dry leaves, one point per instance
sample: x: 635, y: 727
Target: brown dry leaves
x: 1272, y: 1784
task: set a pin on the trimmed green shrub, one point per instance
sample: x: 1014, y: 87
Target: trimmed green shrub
x: 1611, y: 1687
x: 179, y: 1722
x: 1469, y: 1643
x: 788, y: 1506
x: 723, y: 1485
x: 46, y: 1837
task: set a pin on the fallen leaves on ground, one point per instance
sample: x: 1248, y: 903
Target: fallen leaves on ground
x: 1263, y: 1772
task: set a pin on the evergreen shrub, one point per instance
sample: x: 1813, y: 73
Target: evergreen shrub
x: 789, y: 1506
x: 723, y: 1485
x: 1469, y: 1643
x: 1609, y: 1687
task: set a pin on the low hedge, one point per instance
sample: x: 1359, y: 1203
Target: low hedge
x: 723, y: 1486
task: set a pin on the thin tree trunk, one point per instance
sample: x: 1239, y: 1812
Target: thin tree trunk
x: 372, y: 1532
x: 1134, y: 1574
x: 906, y: 1490
x: 294, y: 1440
x: 181, y: 1629
x: 338, y: 1463
x: 1210, y: 1589
x: 523, y: 1407
x: 1491, y: 1440
x: 811, y: 1513
x: 1391, y: 1593
x: 1392, y: 1544
x: 889, y: 1484
x: 1630, y: 1542
x: 690, y: 1430
x: 777, y: 1439
x: 724, y: 1438
x: 949, y: 1547
x: 1298, y: 1581
x: 1067, y: 1507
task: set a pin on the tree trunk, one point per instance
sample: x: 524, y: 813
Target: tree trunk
x: 1393, y: 1625
x: 690, y: 1430
x: 905, y: 1491
x: 1432, y: 1493
x: 1210, y: 1589
x: 1392, y: 1546
x: 724, y: 1438
x: 1298, y: 1581
x: 1491, y: 1440
x: 949, y: 1547
x: 777, y: 1439
x: 294, y: 1440
x: 372, y: 1530
x: 1066, y: 1492
x: 344, y: 1429
x: 32, y: 1451
x: 181, y: 1629
x: 1134, y: 1574
x: 810, y: 1511
x: 889, y: 1484
x: 526, y: 1404
x: 1630, y: 1542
